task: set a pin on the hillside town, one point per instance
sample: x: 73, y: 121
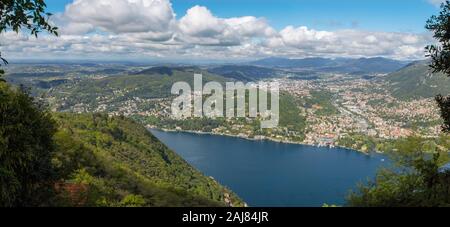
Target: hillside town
x: 354, y: 106
x: 363, y: 107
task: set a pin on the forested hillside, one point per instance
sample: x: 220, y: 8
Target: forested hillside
x: 147, y: 84
x: 417, y: 81
x: 116, y: 162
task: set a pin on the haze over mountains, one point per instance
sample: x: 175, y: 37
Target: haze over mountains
x: 405, y: 79
x: 245, y: 72
x: 342, y: 65
x: 306, y: 68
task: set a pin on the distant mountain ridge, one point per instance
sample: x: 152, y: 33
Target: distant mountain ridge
x: 245, y: 72
x: 341, y: 65
x: 168, y: 70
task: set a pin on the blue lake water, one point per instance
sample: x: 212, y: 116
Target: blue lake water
x: 265, y: 173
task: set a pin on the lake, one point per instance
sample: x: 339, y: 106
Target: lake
x: 265, y: 173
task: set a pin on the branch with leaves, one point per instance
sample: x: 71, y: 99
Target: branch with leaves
x: 5, y: 62
x: 440, y: 55
x: 17, y: 15
x: 440, y: 26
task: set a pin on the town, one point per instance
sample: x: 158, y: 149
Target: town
x: 335, y: 108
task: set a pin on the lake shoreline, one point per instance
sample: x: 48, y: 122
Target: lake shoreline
x: 266, y: 173
x: 265, y: 139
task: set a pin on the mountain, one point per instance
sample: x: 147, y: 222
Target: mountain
x: 113, y: 161
x: 417, y: 81
x: 166, y: 70
x: 368, y: 65
x: 339, y: 65
x: 150, y: 83
x: 245, y: 72
x: 295, y: 63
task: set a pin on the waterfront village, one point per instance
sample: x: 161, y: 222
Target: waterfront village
x: 352, y: 107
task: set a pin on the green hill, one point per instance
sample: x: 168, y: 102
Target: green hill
x: 148, y: 84
x: 417, y: 81
x: 114, y: 161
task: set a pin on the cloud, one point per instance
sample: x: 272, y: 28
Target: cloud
x: 149, y: 28
x: 250, y: 26
x: 121, y: 16
x: 199, y: 26
x: 348, y: 43
x: 301, y: 36
x: 437, y: 3
x: 199, y: 22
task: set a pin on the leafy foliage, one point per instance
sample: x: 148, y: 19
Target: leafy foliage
x: 324, y: 101
x: 91, y: 160
x: 122, y: 164
x: 359, y: 142
x: 444, y: 105
x: 440, y: 54
x: 26, y: 149
x: 416, y: 181
x: 290, y: 115
x: 28, y: 14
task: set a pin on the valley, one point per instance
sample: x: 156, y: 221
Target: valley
x: 366, y: 112
x: 207, y: 104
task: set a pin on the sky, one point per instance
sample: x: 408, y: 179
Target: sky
x: 229, y: 29
x: 408, y: 15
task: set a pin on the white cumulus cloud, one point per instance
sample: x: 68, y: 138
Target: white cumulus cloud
x: 122, y: 16
x: 149, y: 28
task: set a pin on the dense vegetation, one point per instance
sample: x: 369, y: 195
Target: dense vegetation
x: 440, y: 56
x: 360, y: 142
x: 420, y: 178
x: 292, y: 122
x: 290, y: 115
x: 417, y: 81
x: 26, y: 148
x: 91, y: 160
x: 323, y: 101
x: 96, y: 160
x: 116, y: 159
x: 415, y: 181
x: 147, y: 84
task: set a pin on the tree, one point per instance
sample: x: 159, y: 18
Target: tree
x: 26, y: 128
x: 440, y: 55
x: 26, y: 148
x: 24, y: 14
x: 415, y: 181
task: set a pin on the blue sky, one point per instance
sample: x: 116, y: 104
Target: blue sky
x: 373, y: 15
x: 231, y: 29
